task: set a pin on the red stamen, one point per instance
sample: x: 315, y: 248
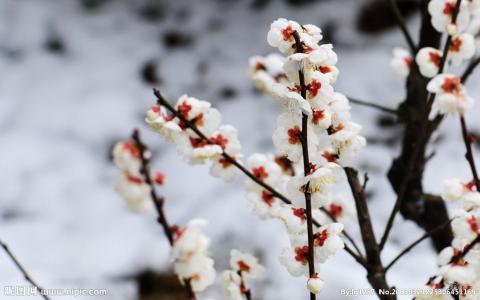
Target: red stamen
x: 300, y: 213
x: 294, y: 135
x: 268, y: 198
x: 260, y: 173
x: 335, y: 210
x: 320, y: 238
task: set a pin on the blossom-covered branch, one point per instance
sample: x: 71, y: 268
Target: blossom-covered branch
x: 314, y: 135
x: 136, y: 184
x: 24, y: 271
x: 256, y: 173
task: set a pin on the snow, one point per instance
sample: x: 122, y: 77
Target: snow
x: 61, y: 112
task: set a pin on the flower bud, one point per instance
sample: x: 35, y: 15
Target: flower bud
x: 315, y: 284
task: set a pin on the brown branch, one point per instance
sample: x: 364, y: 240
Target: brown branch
x: 22, y: 270
x: 417, y: 242
x: 460, y: 255
x: 373, y: 105
x: 471, y: 67
x: 375, y: 270
x: 306, y: 169
x: 163, y: 102
x: 157, y: 201
x: 401, y: 22
x: 422, y: 135
x: 468, y: 139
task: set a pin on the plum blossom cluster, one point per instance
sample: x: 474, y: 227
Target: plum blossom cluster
x: 302, y: 83
x: 463, y: 31
x: 130, y: 183
x: 190, y: 254
x: 218, y: 138
x: 244, y: 267
x: 189, y: 246
x: 458, y: 269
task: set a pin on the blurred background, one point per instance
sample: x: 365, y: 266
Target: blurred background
x: 77, y: 76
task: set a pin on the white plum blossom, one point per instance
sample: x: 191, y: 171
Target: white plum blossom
x: 450, y: 96
x: 401, y: 62
x: 428, y: 60
x: 287, y: 137
x: 462, y: 47
x: 126, y: 156
x: 327, y: 241
x: 189, y: 252
x: 134, y: 191
x: 232, y: 285
x: 189, y: 240
x: 281, y: 35
x: 246, y: 264
x: 341, y: 208
x: 244, y: 268
x: 441, y: 12
x: 198, y: 270
x: 160, y: 121
x: 266, y: 72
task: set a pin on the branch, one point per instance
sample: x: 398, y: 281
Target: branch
x: 23, y: 271
x: 416, y: 242
x: 460, y: 255
x: 401, y: 22
x: 157, y: 201
x: 163, y: 102
x: 468, y: 139
x: 306, y: 169
x: 471, y: 67
x: 375, y: 269
x: 423, y: 132
x: 373, y: 105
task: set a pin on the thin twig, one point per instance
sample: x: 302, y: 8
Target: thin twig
x: 416, y: 242
x: 471, y: 67
x: 401, y: 22
x: 306, y: 169
x: 158, y: 201
x: 423, y: 131
x: 460, y: 255
x: 163, y: 102
x: 373, y: 105
x: 468, y: 139
x: 24, y: 272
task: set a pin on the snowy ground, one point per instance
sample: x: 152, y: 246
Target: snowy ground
x: 61, y: 111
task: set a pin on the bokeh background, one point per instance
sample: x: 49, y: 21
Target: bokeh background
x: 76, y: 76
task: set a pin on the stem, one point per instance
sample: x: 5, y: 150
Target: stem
x: 306, y: 169
x: 246, y: 292
x: 163, y: 102
x: 157, y: 201
x: 23, y: 270
x: 471, y: 67
x: 465, y: 250
x: 401, y: 22
x: 374, y: 105
x: 375, y: 270
x: 423, y: 132
x: 467, y: 139
x: 416, y: 242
